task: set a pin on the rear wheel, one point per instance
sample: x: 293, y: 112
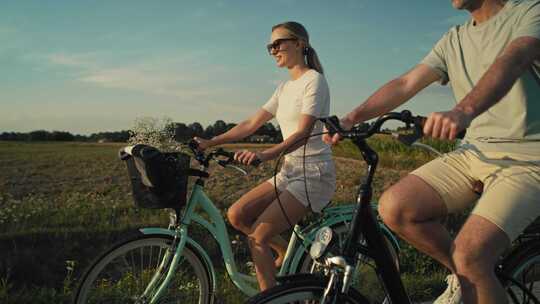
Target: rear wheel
x: 123, y: 273
x: 523, y: 268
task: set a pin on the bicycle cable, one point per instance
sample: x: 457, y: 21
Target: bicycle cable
x: 281, y: 155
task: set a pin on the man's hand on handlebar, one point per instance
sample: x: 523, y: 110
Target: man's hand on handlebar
x: 446, y: 125
x: 333, y: 137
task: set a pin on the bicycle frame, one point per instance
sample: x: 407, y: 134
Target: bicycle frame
x: 215, y: 224
x: 365, y: 224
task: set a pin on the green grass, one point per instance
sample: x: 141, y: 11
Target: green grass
x: 63, y: 203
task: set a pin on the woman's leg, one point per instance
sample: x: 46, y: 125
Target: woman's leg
x: 269, y: 224
x: 243, y: 213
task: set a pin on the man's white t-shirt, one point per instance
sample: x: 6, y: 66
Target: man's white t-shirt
x: 309, y: 95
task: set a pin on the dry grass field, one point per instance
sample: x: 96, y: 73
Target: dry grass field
x: 62, y: 203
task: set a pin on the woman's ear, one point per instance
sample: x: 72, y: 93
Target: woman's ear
x: 301, y: 45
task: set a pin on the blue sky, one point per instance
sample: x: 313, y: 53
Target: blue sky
x: 91, y: 66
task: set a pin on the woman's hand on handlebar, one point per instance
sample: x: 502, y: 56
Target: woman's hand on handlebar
x: 446, y: 125
x: 203, y: 144
x: 247, y: 157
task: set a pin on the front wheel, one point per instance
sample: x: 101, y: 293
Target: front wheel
x: 123, y: 274
x: 303, y: 290
x: 365, y: 278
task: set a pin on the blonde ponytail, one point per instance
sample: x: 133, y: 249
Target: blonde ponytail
x: 313, y: 60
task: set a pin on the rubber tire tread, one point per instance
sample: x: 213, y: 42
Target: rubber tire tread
x: 302, y: 282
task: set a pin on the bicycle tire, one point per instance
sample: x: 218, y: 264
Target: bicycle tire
x: 522, y: 265
x: 121, y: 274
x: 301, y: 290
x: 366, y: 279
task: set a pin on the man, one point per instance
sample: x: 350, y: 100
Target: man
x: 492, y: 63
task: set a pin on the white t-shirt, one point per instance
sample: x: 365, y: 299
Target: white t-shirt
x: 309, y: 95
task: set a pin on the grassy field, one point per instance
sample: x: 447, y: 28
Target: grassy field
x: 63, y: 203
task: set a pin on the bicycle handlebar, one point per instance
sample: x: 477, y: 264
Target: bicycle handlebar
x: 205, y: 159
x: 366, y: 130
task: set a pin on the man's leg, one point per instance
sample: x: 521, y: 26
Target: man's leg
x: 476, y: 249
x: 414, y: 206
x: 507, y: 206
x: 413, y: 210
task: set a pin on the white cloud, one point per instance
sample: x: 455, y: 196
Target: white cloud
x: 179, y: 76
x: 84, y: 61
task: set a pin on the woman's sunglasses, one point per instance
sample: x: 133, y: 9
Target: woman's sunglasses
x: 276, y: 45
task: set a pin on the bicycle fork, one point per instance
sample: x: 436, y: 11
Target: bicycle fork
x: 167, y: 267
x: 337, y: 265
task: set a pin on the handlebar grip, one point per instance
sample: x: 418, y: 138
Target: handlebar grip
x: 230, y: 158
x: 193, y: 145
x: 421, y: 120
x: 256, y: 162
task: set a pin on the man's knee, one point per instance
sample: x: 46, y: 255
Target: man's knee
x: 472, y: 262
x: 478, y: 247
x: 410, y: 200
x: 390, y: 209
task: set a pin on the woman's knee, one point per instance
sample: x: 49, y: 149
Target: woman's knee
x: 236, y: 218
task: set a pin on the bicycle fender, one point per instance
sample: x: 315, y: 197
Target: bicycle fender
x: 332, y: 221
x: 193, y: 245
x: 338, y: 213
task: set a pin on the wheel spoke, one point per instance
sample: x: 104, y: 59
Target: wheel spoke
x: 122, y: 275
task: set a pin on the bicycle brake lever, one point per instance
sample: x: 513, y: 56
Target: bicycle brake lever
x: 409, y: 139
x: 238, y: 169
x: 223, y: 163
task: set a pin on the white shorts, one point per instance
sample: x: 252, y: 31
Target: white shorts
x: 321, y: 181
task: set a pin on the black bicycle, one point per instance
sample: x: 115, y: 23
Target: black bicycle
x: 518, y: 270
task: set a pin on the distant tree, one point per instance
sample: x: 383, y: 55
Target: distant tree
x: 38, y: 135
x: 13, y: 136
x: 61, y: 136
x: 182, y: 132
x: 269, y: 132
x: 219, y: 127
x: 197, y: 129
x: 121, y: 136
x: 209, y: 132
x: 78, y: 137
x: 230, y: 126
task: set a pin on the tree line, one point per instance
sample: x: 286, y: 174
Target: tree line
x: 182, y: 132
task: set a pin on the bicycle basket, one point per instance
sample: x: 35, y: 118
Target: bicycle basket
x: 158, y: 179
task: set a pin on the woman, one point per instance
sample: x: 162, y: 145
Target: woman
x: 296, y: 104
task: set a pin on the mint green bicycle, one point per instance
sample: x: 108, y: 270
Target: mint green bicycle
x: 166, y: 265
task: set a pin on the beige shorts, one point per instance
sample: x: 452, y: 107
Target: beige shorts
x: 511, y: 196
x: 321, y: 181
